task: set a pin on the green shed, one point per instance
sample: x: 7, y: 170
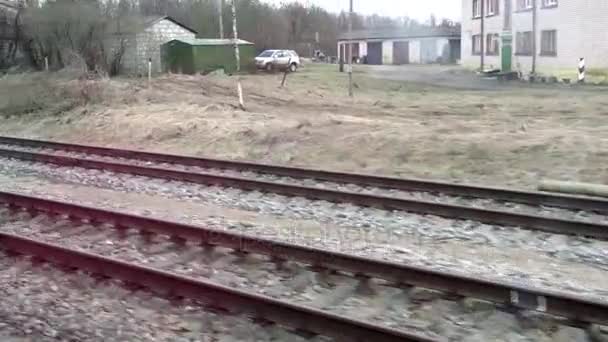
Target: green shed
x: 190, y: 56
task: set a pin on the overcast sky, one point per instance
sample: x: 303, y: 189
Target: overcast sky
x: 418, y: 9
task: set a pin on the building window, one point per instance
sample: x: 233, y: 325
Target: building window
x: 524, y: 43
x: 548, y: 43
x: 549, y: 3
x: 492, y: 44
x: 476, y: 8
x: 476, y: 44
x: 491, y: 7
x: 523, y: 5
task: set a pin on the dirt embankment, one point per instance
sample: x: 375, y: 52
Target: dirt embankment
x: 505, y: 137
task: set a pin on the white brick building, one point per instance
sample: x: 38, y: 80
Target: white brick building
x: 566, y: 31
x: 142, y: 40
x: 398, y: 46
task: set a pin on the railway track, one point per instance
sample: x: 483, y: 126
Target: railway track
x: 45, y: 303
x: 135, y: 259
x: 301, y: 176
x: 165, y: 255
x: 578, y: 215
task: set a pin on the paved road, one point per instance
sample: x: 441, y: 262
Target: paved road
x: 439, y: 75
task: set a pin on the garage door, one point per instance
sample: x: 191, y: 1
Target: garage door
x: 374, y: 53
x: 401, y: 53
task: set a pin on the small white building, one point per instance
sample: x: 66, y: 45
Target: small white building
x: 402, y: 46
x: 142, y: 39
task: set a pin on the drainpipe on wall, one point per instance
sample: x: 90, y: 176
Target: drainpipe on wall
x: 483, y: 36
x: 534, y: 30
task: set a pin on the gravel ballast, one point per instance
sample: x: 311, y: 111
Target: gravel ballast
x: 415, y: 309
x: 43, y: 303
x: 491, y: 204
x: 374, y: 230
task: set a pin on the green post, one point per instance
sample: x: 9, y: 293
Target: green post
x: 507, y: 50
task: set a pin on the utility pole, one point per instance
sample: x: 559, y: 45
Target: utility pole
x: 350, y: 50
x: 483, y: 35
x: 220, y: 9
x: 534, y: 29
x: 237, y: 55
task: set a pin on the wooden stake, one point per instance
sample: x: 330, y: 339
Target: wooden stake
x: 285, y: 73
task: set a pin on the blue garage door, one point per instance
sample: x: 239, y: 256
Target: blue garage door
x: 374, y: 53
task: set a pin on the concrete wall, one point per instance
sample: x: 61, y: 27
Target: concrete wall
x: 415, y: 49
x: 581, y: 32
x: 362, y: 48
x: 387, y: 52
x: 421, y: 50
x: 7, y: 32
x: 147, y: 44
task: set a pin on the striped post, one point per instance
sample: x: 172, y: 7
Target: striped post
x: 581, y: 70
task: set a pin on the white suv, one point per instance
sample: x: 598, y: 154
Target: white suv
x: 278, y: 60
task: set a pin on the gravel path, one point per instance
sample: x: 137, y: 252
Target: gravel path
x: 416, y: 309
x: 43, y: 303
x: 415, y: 195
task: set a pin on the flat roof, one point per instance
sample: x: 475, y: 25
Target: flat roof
x: 423, y: 32
x: 205, y: 41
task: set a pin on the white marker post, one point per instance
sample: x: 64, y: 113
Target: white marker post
x: 149, y: 71
x: 237, y: 56
x: 350, y: 50
x: 581, y: 70
x: 46, y: 63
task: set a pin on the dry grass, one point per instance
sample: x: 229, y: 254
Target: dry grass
x: 511, y: 137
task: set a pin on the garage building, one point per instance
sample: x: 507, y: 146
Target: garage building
x: 403, y: 46
x: 190, y: 56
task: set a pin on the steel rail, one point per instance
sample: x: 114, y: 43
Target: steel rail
x: 565, y: 305
x: 531, y: 222
x: 464, y: 190
x: 213, y: 294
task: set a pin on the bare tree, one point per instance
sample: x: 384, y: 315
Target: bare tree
x: 61, y: 29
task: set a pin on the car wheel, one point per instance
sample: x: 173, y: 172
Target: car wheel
x: 293, y: 67
x: 269, y: 67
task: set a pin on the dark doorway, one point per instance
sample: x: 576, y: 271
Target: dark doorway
x: 344, y: 52
x: 355, y: 52
x: 454, y: 50
x: 374, y: 53
x: 401, y: 53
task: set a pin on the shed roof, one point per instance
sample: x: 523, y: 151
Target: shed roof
x: 402, y: 33
x: 149, y: 21
x: 139, y: 24
x: 212, y: 41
